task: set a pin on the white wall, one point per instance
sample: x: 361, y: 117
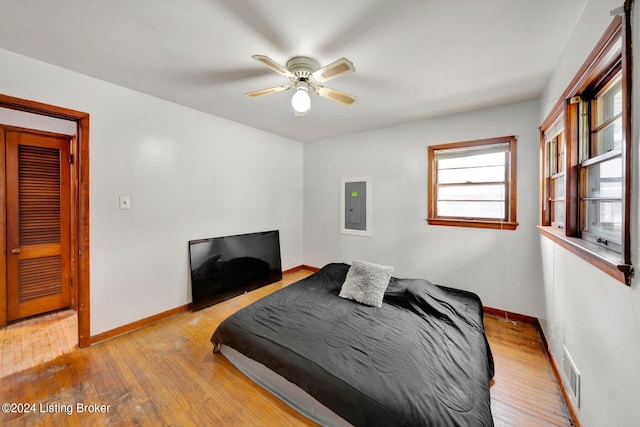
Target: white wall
x: 593, y: 315
x: 189, y: 175
x: 502, y: 266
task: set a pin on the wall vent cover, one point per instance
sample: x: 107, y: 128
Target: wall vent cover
x: 572, y: 376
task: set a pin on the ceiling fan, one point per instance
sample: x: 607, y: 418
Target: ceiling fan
x: 305, y: 75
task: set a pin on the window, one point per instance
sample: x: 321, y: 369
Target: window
x: 601, y: 165
x: 555, y: 158
x: 473, y: 184
x: 586, y: 162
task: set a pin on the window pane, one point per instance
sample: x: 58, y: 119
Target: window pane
x: 475, y: 174
x: 604, y: 179
x: 471, y: 192
x: 553, y: 156
x: 470, y: 161
x: 557, y: 188
x: 556, y: 155
x: 558, y: 212
x: 604, y: 218
x: 559, y: 167
x: 493, y: 210
x: 609, y: 104
x: 610, y: 137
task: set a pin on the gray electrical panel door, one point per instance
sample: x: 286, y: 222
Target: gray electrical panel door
x: 355, y: 205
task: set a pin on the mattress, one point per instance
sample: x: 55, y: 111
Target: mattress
x: 287, y: 391
x: 420, y: 359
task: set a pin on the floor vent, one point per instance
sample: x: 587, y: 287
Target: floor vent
x: 572, y: 376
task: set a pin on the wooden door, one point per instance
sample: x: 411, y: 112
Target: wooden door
x: 38, y: 222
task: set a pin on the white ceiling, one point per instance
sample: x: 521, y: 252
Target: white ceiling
x: 414, y: 59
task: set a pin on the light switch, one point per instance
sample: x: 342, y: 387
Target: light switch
x: 125, y: 202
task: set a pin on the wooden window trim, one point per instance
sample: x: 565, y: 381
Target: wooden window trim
x: 511, y: 182
x: 599, y: 257
x: 617, y: 265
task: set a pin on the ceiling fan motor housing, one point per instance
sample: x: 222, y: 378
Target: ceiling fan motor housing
x: 302, y: 67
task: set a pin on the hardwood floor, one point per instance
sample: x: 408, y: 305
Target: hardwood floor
x: 524, y: 391
x: 166, y: 374
x: 36, y: 340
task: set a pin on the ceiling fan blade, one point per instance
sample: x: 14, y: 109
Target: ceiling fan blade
x: 334, y: 70
x: 273, y: 65
x: 336, y: 95
x: 267, y: 91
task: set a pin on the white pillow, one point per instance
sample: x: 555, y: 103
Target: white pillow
x: 366, y: 283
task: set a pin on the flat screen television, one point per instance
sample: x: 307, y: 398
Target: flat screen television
x: 224, y: 267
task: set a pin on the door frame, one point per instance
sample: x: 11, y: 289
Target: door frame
x: 79, y: 210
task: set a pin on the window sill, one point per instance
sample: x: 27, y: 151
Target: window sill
x: 474, y: 223
x: 601, y: 258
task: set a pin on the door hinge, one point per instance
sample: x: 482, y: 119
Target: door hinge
x: 71, y: 282
x: 70, y: 158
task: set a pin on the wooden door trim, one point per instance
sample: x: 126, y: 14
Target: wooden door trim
x: 3, y: 231
x: 80, y: 209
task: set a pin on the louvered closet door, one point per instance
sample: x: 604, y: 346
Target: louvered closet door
x: 38, y: 223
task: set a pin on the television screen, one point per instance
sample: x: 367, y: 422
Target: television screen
x: 223, y: 267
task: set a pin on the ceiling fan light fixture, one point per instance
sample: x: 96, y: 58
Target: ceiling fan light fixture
x: 301, y: 101
x: 305, y: 76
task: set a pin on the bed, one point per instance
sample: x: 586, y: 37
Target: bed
x: 422, y: 358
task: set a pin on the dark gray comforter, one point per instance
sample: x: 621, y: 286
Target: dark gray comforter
x: 420, y: 360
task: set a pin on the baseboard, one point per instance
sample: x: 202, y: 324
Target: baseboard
x: 511, y: 316
x: 139, y: 323
x: 292, y: 270
x: 300, y: 267
x: 552, y: 361
x: 160, y: 316
x: 554, y: 366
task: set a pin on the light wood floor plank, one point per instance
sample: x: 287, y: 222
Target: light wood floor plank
x: 36, y: 340
x: 166, y: 374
